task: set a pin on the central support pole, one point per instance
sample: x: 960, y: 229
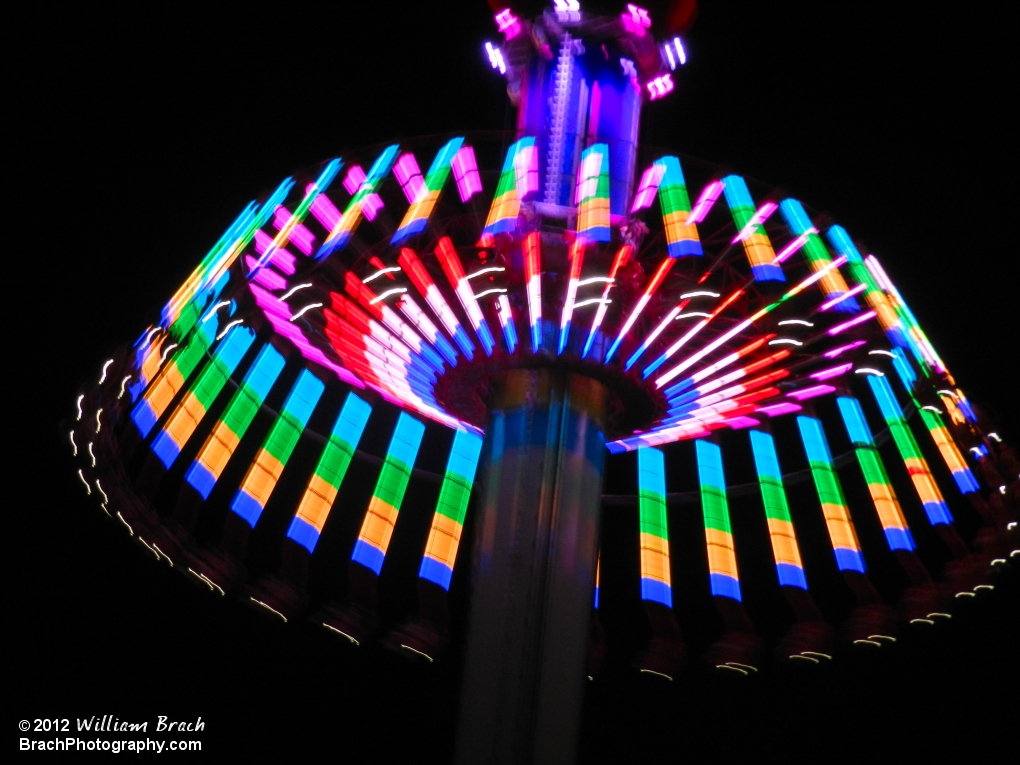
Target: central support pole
x: 534, y: 570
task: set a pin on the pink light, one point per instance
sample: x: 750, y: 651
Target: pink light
x: 265, y: 276
x: 533, y: 282
x: 508, y: 24
x: 806, y: 393
x: 828, y: 374
x: 853, y: 322
x: 280, y: 257
x: 660, y: 86
x: 840, y: 298
x: 708, y: 196
x: 777, y: 409
x: 325, y: 212
x: 841, y: 349
x: 648, y: 187
x: 299, y: 236
x: 653, y: 285
x: 465, y: 172
x: 795, y: 245
x: 757, y: 219
x: 409, y: 176
x: 353, y: 181
x: 526, y: 170
x: 636, y: 20
x: 495, y: 57
x: 742, y: 422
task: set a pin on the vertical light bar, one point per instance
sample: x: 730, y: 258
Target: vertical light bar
x: 448, y: 521
x: 593, y: 194
x: 656, y: 583
x: 318, y: 498
x: 757, y: 246
x: 465, y: 173
x: 448, y: 259
x: 934, y: 505
x: 576, y: 256
x: 653, y: 284
x: 506, y: 204
x: 837, y: 515
x: 722, y: 558
x: 897, y: 533
x: 233, y: 423
x: 377, y: 528
x: 832, y: 284
x: 777, y: 513
x: 950, y: 453
x: 418, y: 213
x: 268, y: 465
x: 171, y: 379
x: 622, y: 256
x: 349, y: 221
x: 681, y: 233
x: 533, y: 281
x: 421, y: 279
x: 506, y: 321
x: 200, y: 396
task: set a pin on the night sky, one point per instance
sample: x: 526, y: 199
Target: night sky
x: 142, y: 134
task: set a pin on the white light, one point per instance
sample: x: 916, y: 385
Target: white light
x: 1011, y: 525
x: 123, y: 387
x: 921, y: 621
x: 489, y: 270
x: 166, y: 352
x: 304, y: 310
x: 78, y: 404
x: 882, y: 353
x: 292, y: 290
x: 340, y: 632
x: 102, y: 377
x: 949, y: 393
x: 940, y: 614
x: 592, y: 301
x: 102, y: 506
x: 91, y: 454
x: 653, y: 672
x: 796, y: 321
x: 73, y: 444
x: 932, y: 409
x: 785, y: 341
x: 131, y: 531
x: 377, y: 274
x: 735, y: 669
x: 226, y: 329
x: 965, y: 594
x: 148, y: 548
x: 1002, y: 489
x: 415, y: 650
x: 867, y: 642
x: 868, y: 371
x: 493, y: 291
x: 595, y: 280
x: 386, y: 294
x: 817, y: 653
x: 806, y: 658
x: 149, y: 337
x: 88, y: 489
x: 208, y: 582
x: 881, y: 637
x: 681, y: 54
x: 692, y: 314
x: 997, y: 561
x: 699, y: 293
x: 156, y: 548
x: 99, y: 423
x: 100, y: 487
x: 984, y: 587
x: 268, y: 608
x: 214, y: 309
x: 995, y: 436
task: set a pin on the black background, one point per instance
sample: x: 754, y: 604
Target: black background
x: 141, y: 132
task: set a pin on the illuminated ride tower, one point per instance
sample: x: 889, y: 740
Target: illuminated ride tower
x: 533, y: 306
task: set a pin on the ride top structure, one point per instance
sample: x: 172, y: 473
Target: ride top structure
x: 550, y: 307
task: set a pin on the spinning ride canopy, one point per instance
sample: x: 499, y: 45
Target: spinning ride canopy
x: 438, y: 278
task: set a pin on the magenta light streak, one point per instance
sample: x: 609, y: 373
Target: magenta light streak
x: 853, y: 322
x: 325, y: 212
x: 742, y: 422
x: 300, y: 236
x: 265, y: 276
x: 660, y: 86
x: 465, y: 172
x: 795, y: 245
x: 828, y: 374
x: 280, y: 257
x: 839, y: 299
x: 408, y: 175
x: 843, y: 348
x: 805, y: 393
x: 648, y: 187
x: 708, y: 196
x: 508, y: 24
x: 355, y: 177
x: 777, y: 409
x: 756, y: 220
